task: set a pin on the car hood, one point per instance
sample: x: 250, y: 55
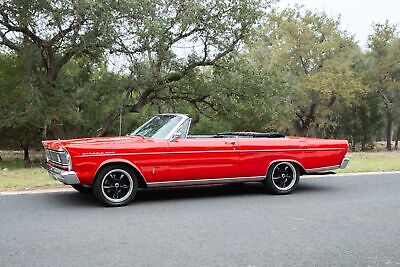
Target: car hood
x: 93, y: 142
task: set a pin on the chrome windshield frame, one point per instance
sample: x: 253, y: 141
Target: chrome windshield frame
x: 183, y: 119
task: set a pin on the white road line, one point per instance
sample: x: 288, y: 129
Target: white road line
x: 68, y: 189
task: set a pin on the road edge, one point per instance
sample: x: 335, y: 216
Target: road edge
x: 347, y: 174
x: 35, y: 191
x: 56, y: 190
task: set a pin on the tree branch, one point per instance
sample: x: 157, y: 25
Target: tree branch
x: 7, y: 42
x: 6, y: 22
x: 204, y: 62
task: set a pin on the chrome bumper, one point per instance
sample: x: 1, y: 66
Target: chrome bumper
x: 344, y: 163
x: 66, y: 177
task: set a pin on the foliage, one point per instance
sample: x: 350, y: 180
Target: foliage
x: 317, y: 59
x: 21, y: 111
x: 383, y: 75
x: 74, y: 68
x: 153, y: 33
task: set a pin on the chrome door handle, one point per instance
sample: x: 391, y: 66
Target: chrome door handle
x: 230, y: 142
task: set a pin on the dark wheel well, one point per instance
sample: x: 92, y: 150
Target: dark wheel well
x: 142, y: 183
x: 299, y: 167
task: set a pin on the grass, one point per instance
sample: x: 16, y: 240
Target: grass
x: 373, y: 162
x: 13, y: 175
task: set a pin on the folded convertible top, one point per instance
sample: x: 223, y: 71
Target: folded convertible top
x: 251, y: 134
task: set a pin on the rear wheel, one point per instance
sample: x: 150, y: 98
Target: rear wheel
x: 82, y: 188
x: 282, y: 178
x: 115, y: 185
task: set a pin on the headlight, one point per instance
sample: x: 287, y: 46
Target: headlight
x: 60, y: 157
x: 67, y: 159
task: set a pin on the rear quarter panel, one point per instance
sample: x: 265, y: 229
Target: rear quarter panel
x: 322, y: 153
x: 256, y: 154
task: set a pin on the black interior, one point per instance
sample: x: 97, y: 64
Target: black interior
x: 240, y: 135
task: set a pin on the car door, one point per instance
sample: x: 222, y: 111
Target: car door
x: 203, y: 158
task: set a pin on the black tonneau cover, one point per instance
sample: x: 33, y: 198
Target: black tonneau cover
x: 251, y: 134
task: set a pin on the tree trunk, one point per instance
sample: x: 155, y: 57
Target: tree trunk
x: 27, y: 158
x: 304, y: 120
x: 363, y: 146
x: 389, y: 125
x: 353, y: 145
x: 396, y: 144
x: 301, y: 130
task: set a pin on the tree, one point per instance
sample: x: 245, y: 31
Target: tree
x: 362, y: 122
x: 384, y: 74
x: 19, y: 117
x: 317, y: 58
x: 240, y: 96
x: 153, y: 32
x: 252, y: 97
x: 48, y: 34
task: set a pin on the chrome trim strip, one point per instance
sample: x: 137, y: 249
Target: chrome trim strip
x: 58, y: 163
x: 54, y: 150
x: 342, y: 165
x: 212, y: 151
x: 322, y: 169
x: 66, y: 177
x: 207, y: 181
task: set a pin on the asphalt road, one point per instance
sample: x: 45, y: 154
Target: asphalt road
x: 348, y: 221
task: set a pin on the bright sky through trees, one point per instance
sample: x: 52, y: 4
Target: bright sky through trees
x: 357, y: 16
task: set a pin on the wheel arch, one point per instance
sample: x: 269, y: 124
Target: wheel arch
x: 128, y: 164
x: 295, y: 162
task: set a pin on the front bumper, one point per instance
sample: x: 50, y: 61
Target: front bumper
x: 344, y: 163
x: 66, y: 177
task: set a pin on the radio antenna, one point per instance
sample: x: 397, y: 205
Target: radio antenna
x: 120, y: 121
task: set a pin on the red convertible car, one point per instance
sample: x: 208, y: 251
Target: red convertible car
x: 161, y: 153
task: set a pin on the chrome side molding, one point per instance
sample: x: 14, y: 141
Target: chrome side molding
x: 342, y: 165
x: 206, y: 181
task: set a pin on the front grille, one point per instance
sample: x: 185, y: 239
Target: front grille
x: 58, y: 157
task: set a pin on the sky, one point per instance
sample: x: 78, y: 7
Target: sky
x: 357, y: 16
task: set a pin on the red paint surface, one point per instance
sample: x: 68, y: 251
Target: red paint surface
x: 192, y: 159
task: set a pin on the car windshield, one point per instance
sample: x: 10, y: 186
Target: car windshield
x: 160, y: 126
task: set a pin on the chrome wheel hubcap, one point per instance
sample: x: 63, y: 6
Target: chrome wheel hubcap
x: 284, y: 176
x: 117, y: 185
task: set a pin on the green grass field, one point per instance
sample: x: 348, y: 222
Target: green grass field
x: 13, y: 175
x: 373, y: 162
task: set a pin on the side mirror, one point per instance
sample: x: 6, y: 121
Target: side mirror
x: 176, y: 136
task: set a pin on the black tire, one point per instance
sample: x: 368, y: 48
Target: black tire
x: 115, y: 185
x: 82, y: 189
x: 282, y: 178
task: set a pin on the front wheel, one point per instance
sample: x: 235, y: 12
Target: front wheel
x: 282, y: 178
x: 115, y: 185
